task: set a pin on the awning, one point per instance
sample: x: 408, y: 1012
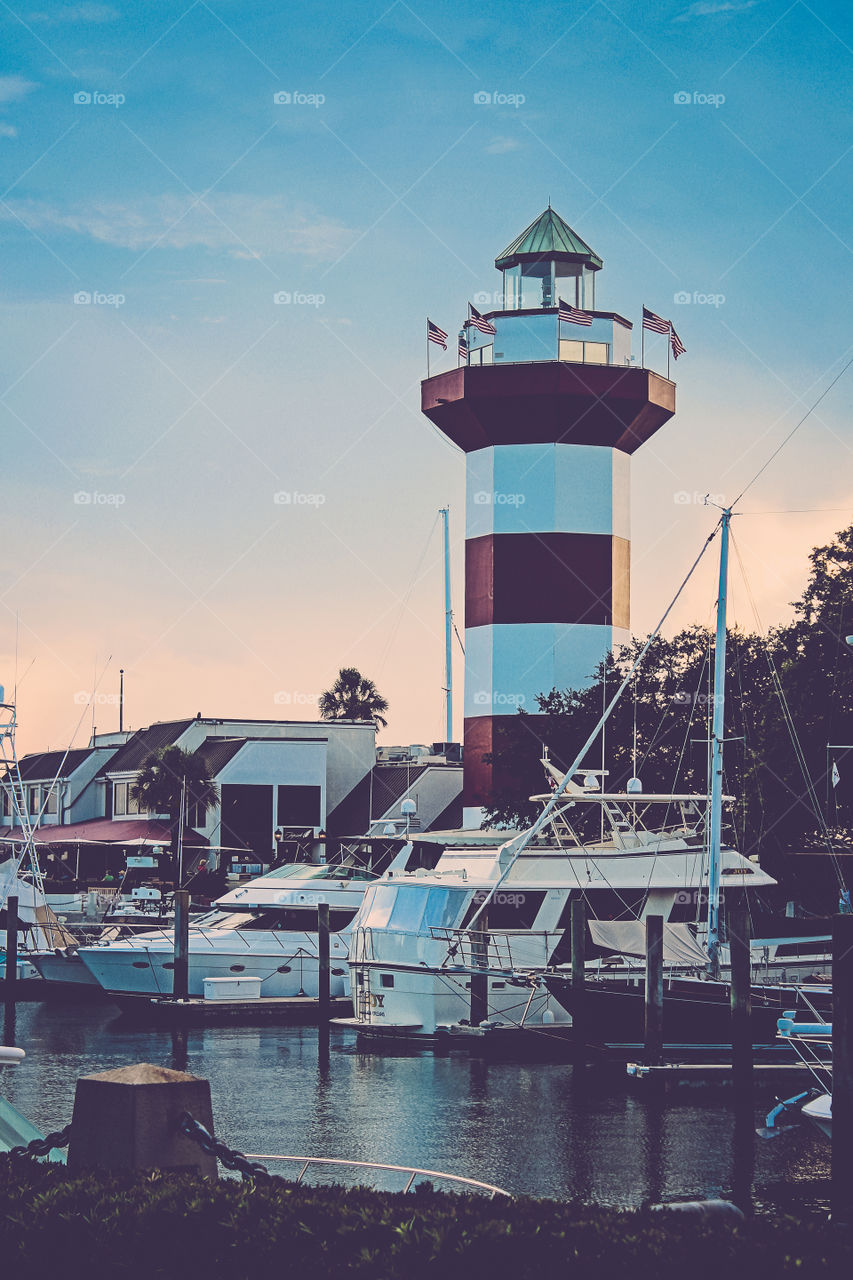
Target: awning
x: 628, y: 938
x: 128, y: 832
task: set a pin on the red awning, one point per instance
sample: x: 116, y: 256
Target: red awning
x: 125, y: 831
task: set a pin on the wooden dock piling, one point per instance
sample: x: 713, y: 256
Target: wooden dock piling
x: 842, y: 1073
x: 737, y: 916
x: 578, y: 942
x: 479, y: 974
x: 323, y: 964
x: 181, y: 971
x: 653, y: 1027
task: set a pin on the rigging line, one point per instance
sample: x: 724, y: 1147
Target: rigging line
x: 792, y: 730
x: 392, y: 635
x: 459, y: 638
x: 514, y: 846
x: 794, y: 429
x: 799, y: 511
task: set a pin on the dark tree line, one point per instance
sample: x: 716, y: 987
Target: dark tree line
x: 797, y: 678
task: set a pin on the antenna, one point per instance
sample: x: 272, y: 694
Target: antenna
x: 444, y: 512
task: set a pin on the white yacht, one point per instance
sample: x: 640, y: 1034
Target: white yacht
x: 420, y: 937
x: 265, y: 928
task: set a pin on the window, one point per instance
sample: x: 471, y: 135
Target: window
x: 52, y: 801
x: 119, y: 798
x: 35, y: 799
x: 443, y: 907
x: 482, y: 355
x: 512, y: 288
x: 132, y: 805
x: 378, y: 905
x: 505, y: 909
x: 298, y: 920
x: 299, y: 807
x: 409, y: 908
x: 386, y: 979
x: 584, y: 352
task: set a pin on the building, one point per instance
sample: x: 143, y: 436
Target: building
x: 283, y: 788
x: 548, y: 413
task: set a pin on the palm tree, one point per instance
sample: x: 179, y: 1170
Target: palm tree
x: 164, y: 775
x: 353, y: 697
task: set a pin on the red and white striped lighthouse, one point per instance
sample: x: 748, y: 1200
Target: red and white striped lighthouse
x: 548, y: 409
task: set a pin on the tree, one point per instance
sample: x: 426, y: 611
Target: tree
x: 164, y: 776
x: 353, y: 697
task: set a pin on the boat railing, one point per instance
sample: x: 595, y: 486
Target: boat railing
x: 412, y: 1173
x: 493, y: 948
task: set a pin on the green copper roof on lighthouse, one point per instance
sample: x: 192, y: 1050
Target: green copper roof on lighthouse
x: 549, y: 237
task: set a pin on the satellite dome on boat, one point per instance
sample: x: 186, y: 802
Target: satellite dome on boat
x: 634, y: 786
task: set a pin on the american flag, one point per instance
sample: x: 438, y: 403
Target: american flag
x: 656, y: 323
x: 678, y: 347
x: 572, y: 315
x: 479, y: 322
x: 434, y: 334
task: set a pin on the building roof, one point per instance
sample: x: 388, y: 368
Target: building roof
x: 372, y: 797
x: 216, y: 752
x: 126, y: 831
x: 47, y: 765
x: 549, y: 237
x: 129, y: 758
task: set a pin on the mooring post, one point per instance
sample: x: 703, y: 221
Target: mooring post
x: 654, y: 990
x: 479, y: 972
x: 130, y: 1119
x: 323, y: 964
x: 737, y: 921
x: 10, y: 972
x: 578, y: 941
x: 842, y: 1074
x: 181, y: 971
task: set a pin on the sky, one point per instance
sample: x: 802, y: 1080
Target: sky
x: 221, y: 229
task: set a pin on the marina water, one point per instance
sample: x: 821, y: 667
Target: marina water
x: 536, y: 1128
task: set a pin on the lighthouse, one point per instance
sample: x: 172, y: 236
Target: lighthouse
x: 548, y: 407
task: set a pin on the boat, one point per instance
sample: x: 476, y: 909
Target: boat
x: 265, y: 928
x: 415, y: 946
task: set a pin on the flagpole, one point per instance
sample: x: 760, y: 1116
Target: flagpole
x: 427, y: 336
x: 643, y: 337
x: 668, y: 350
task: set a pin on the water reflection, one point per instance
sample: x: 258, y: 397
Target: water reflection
x: 535, y: 1128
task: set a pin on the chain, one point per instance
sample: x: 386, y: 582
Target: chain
x: 227, y: 1155
x: 43, y: 1146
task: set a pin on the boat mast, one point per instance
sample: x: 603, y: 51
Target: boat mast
x: 717, y: 731
x: 448, y: 629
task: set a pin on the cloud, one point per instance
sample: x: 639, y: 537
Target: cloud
x: 500, y: 146
x: 7, y: 130
x: 93, y: 13
x: 707, y: 8
x: 14, y: 87
x: 244, y: 226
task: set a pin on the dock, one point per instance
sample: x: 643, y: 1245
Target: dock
x: 285, y: 1010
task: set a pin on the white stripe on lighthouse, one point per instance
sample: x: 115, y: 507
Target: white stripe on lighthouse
x: 544, y: 488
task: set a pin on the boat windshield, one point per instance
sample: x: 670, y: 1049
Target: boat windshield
x: 311, y: 871
x: 412, y: 908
